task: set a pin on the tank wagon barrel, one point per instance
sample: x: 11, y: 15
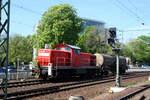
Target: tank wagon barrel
x: 108, y: 63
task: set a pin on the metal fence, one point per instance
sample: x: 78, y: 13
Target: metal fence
x: 17, y: 75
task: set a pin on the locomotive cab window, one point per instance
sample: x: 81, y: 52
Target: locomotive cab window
x: 76, y: 51
x: 67, y: 49
x: 58, y: 48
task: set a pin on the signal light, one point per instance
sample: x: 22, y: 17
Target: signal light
x: 112, y: 32
x: 111, y: 41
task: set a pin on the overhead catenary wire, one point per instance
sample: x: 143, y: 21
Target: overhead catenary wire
x: 122, y: 9
x: 17, y: 22
x: 133, y: 6
x: 26, y: 9
x: 61, y: 1
x: 129, y: 10
x: 134, y: 30
x: 137, y: 9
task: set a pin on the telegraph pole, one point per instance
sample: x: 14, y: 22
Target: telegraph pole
x: 4, y: 43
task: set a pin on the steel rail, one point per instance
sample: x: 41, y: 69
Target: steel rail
x: 54, y: 89
x: 134, y: 93
x: 36, y: 82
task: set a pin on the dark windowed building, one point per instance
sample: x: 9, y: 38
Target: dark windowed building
x: 91, y: 22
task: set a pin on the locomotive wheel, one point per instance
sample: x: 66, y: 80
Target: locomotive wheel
x: 45, y: 77
x: 101, y: 74
x: 105, y: 73
x: 122, y: 72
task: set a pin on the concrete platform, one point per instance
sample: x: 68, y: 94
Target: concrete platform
x: 138, y: 70
x: 117, y: 89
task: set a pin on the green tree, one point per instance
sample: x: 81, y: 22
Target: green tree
x: 126, y: 51
x: 106, y: 49
x: 20, y: 48
x: 81, y: 42
x: 3, y: 55
x: 138, y: 50
x: 90, y: 40
x: 142, y: 49
x: 60, y: 24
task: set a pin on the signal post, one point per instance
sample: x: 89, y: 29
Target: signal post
x: 118, y: 78
x: 112, y: 41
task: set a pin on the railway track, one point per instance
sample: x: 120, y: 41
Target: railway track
x: 130, y: 95
x: 25, y: 83
x: 63, y: 87
x: 40, y: 81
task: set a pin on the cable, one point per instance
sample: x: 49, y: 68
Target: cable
x: 131, y: 3
x: 13, y: 21
x: 120, y: 7
x: 26, y: 9
x: 136, y: 15
x: 60, y: 1
x: 134, y: 30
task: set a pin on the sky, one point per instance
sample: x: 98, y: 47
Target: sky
x: 127, y: 16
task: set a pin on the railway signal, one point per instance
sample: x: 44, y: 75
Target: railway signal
x: 112, y: 34
x: 112, y: 41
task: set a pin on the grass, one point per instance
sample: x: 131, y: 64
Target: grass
x: 130, y: 83
x: 100, y: 92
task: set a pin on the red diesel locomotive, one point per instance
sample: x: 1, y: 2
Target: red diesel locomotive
x: 67, y: 60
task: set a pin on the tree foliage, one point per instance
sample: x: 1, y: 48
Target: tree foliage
x: 90, y: 40
x: 3, y: 55
x: 60, y: 24
x: 20, y: 48
x: 138, y: 50
x: 81, y: 42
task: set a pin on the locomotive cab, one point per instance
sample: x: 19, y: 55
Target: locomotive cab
x: 74, y: 55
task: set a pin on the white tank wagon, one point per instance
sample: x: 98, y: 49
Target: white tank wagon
x: 108, y: 63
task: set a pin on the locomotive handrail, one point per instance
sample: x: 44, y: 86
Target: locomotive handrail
x: 64, y: 61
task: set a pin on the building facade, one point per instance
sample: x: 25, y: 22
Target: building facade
x: 91, y: 22
x: 104, y: 32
